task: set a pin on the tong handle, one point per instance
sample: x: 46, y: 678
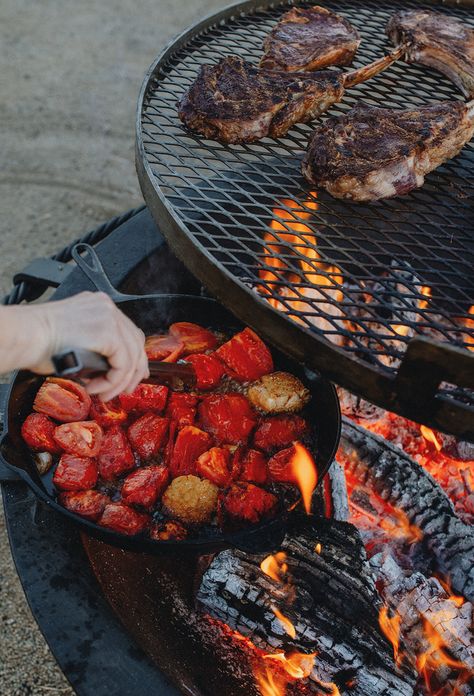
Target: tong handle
x: 79, y: 362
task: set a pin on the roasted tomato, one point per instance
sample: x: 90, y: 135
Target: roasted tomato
x: 168, y: 531
x: 246, y: 356
x: 144, y: 486
x: 245, y: 502
x: 249, y: 465
x: 107, y: 413
x: 123, y: 519
x: 75, y: 473
x: 196, y: 339
x: 280, y: 468
x: 182, y: 408
x: 209, y: 370
x: 229, y: 417
x: 148, y: 434
x: 146, y: 397
x: 165, y: 347
x: 63, y: 400
x: 37, y: 431
x: 115, y: 456
x: 214, y: 466
x: 190, y: 444
x: 83, y: 438
x: 276, y: 432
x: 88, y: 504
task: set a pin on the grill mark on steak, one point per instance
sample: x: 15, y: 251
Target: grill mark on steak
x: 437, y: 41
x: 236, y: 102
x: 310, y: 40
x: 371, y: 153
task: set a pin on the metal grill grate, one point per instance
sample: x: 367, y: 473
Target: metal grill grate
x: 383, y: 273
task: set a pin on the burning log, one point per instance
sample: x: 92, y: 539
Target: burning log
x: 331, y: 603
x: 399, y: 479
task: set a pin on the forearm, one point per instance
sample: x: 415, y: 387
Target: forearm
x: 23, y: 336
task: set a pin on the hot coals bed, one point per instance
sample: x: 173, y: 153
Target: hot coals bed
x: 344, y: 287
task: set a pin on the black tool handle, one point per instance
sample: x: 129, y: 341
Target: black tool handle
x: 78, y: 362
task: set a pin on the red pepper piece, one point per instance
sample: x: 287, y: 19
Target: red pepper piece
x: 253, y: 467
x: 88, y: 504
x: 146, y: 397
x: 229, y: 417
x: 164, y: 347
x: 145, y: 486
x: 115, y: 456
x: 209, y: 370
x: 83, y: 438
x: 37, y: 431
x: 214, y: 466
x: 63, y: 400
x: 246, y: 355
x: 276, y: 432
x: 107, y: 413
x: 182, y: 408
x: 196, y: 338
x: 148, y: 434
x: 123, y: 519
x: 280, y: 468
x: 75, y: 473
x: 190, y: 444
x: 245, y: 502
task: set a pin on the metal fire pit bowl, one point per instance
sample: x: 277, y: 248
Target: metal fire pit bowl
x: 215, y: 204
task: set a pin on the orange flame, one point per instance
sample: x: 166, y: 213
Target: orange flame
x: 401, y: 528
x: 269, y: 683
x: 275, y: 566
x: 390, y: 626
x: 305, y: 472
x: 285, y: 622
x: 429, y: 435
x: 435, y: 655
x: 426, y: 291
x: 469, y: 324
x: 446, y: 585
x: 318, y: 548
x: 297, y: 665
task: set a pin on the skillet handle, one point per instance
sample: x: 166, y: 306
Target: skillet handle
x: 6, y: 474
x: 87, y: 260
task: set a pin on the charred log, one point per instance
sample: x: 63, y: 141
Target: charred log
x: 332, y: 603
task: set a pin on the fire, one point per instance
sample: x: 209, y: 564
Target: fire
x: 269, y: 684
x: 305, y: 472
x: 469, y: 324
x: 436, y: 655
x: 429, y: 435
x: 426, y: 292
x: 297, y: 665
x: 318, y: 548
x: 446, y: 585
x: 275, y: 566
x: 390, y: 626
x: 401, y: 528
x: 285, y: 622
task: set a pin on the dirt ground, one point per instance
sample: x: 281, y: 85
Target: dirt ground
x: 70, y: 77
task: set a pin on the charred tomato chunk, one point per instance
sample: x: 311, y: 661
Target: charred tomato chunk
x: 144, y: 486
x: 115, y: 456
x: 146, y: 397
x: 38, y: 433
x: 209, y: 370
x: 148, y: 434
x: 107, y: 413
x: 276, y: 432
x: 168, y: 531
x: 88, y: 504
x: 246, y: 356
x: 229, y: 417
x: 181, y: 408
x: 280, y: 466
x: 164, y: 347
x: 196, y: 339
x: 83, y: 438
x: 249, y: 465
x: 63, y: 400
x: 75, y: 473
x: 190, y: 443
x: 244, y: 502
x: 214, y: 466
x: 123, y: 519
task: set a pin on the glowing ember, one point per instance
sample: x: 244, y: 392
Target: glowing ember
x: 285, y: 622
x: 275, y: 566
x: 426, y: 292
x: 305, y: 472
x: 429, y: 435
x: 390, y: 626
x: 401, y: 528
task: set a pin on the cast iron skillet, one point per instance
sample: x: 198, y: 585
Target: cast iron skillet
x: 153, y: 313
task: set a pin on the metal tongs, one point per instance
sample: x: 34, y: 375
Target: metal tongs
x: 78, y: 364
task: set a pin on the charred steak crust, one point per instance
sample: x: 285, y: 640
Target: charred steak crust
x: 371, y: 153
x: 437, y: 41
x: 236, y: 102
x: 308, y: 40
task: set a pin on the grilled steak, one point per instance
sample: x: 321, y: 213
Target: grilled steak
x: 371, y: 153
x: 235, y: 102
x: 438, y: 41
x: 310, y: 40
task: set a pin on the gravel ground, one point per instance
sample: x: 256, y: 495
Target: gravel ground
x: 69, y: 81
